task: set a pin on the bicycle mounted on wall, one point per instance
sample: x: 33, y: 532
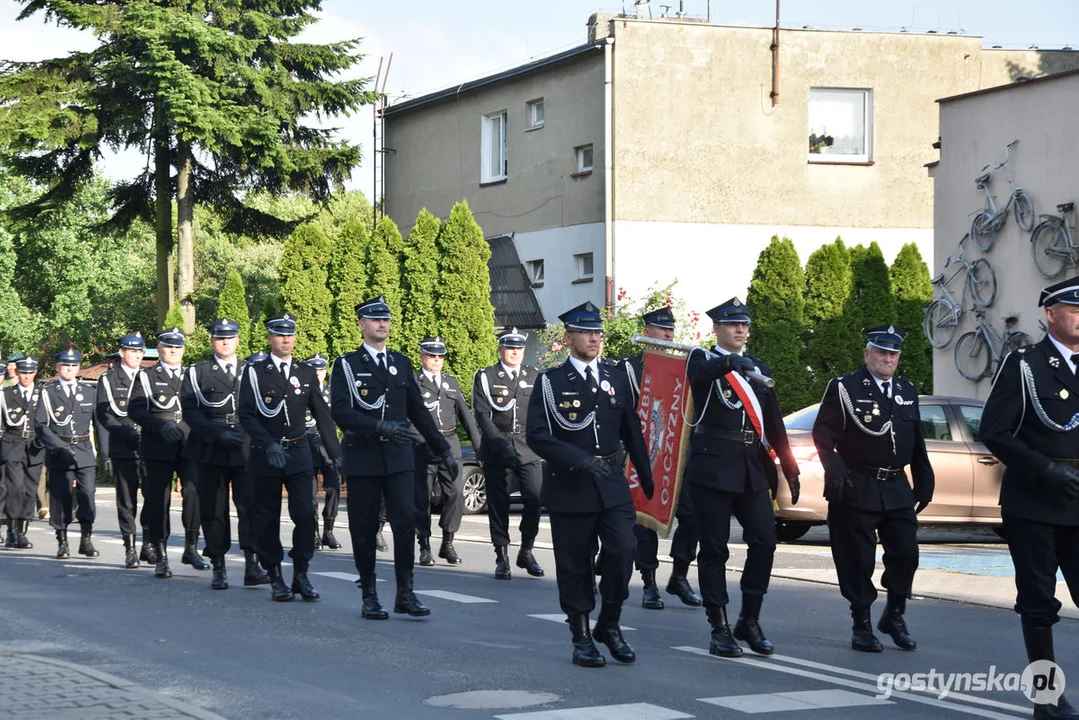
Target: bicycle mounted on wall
x: 942, y: 316
x: 988, y: 222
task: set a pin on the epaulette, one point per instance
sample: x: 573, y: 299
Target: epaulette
x: 609, y: 362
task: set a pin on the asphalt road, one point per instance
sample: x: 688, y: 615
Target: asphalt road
x: 238, y: 654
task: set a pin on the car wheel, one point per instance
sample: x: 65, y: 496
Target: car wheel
x: 790, y: 530
x: 475, y: 492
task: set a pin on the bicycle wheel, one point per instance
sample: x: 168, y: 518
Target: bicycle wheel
x: 972, y: 356
x: 1049, y: 245
x: 983, y: 282
x: 1024, y: 211
x: 940, y: 323
x: 983, y: 231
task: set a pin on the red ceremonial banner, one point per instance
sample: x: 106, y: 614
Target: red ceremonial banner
x: 664, y: 402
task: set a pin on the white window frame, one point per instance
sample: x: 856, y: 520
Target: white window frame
x: 535, y: 271
x: 579, y: 152
x: 824, y: 156
x: 492, y: 123
x: 530, y: 113
x: 578, y: 266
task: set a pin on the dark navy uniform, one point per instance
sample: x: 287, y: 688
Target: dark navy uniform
x: 444, y: 400
x: 865, y: 438
x: 325, y: 466
x: 1031, y: 422
x: 730, y: 473
x: 273, y: 407
x: 155, y: 406
x: 21, y: 453
x: 64, y: 423
x: 118, y: 438
x: 500, y: 399
x: 578, y: 419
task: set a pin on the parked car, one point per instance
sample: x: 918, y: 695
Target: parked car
x: 475, y: 485
x: 967, y: 474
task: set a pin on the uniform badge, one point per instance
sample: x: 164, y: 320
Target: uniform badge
x: 876, y: 411
x: 869, y: 418
x: 605, y: 386
x: 267, y: 399
x: 161, y: 398
x: 524, y: 384
x: 121, y: 403
x: 505, y: 392
x: 214, y: 367
x: 727, y: 394
x: 1054, y: 361
x: 1064, y: 394
x: 576, y: 403
x: 393, y: 369
x: 426, y: 395
x: 573, y: 416
x: 363, y: 392
x: 79, y: 397
x: 445, y: 386
x: 899, y: 399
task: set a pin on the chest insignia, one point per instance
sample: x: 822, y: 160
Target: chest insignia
x: 573, y: 416
x: 427, y: 394
x: 1064, y: 394
x: 899, y: 399
x: 393, y: 369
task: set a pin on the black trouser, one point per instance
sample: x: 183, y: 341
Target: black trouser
x: 365, y: 495
x: 574, y: 537
x: 126, y: 472
x: 3, y: 492
x: 530, y: 480
x: 331, y: 485
x: 157, y: 497
x: 853, y: 535
x: 753, y: 510
x: 1038, y: 550
x: 214, y: 482
x: 266, y: 518
x: 683, y: 543
x: 450, y: 486
x: 21, y: 476
x: 62, y: 498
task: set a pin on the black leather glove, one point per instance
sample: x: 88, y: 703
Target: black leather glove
x: 1063, y: 478
x: 834, y: 487
x: 275, y: 455
x: 315, y: 440
x: 393, y: 431
x: 231, y: 438
x: 795, y: 486
x: 921, y: 505
x: 450, y: 463
x: 108, y: 466
x: 171, y: 433
x: 739, y: 363
x: 597, y: 468
x: 648, y: 487
x: 67, y: 455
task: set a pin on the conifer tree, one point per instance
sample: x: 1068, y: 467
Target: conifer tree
x: 871, y: 302
x: 829, y: 335
x: 384, y: 271
x: 913, y: 291
x: 232, y: 304
x: 348, y: 286
x: 303, y: 273
x: 270, y: 306
x: 419, y: 283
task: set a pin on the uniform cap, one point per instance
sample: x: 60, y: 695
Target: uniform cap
x: 26, y: 365
x: 224, y: 328
x: 886, y: 337
x: 376, y: 309
x: 132, y: 341
x: 316, y: 361
x: 283, y: 324
x: 71, y: 356
x: 583, y: 317
x: 512, y: 338
x: 256, y: 357
x: 732, y: 311
x: 1066, y: 292
x: 433, y: 346
x: 660, y: 317
x: 13, y: 357
x: 173, y: 337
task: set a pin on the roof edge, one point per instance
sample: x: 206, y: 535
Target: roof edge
x: 1008, y: 86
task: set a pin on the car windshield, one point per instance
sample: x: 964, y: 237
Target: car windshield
x: 803, y: 419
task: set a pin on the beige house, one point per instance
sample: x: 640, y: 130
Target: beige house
x: 975, y: 128
x: 666, y: 149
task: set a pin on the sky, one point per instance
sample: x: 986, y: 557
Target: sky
x: 439, y: 43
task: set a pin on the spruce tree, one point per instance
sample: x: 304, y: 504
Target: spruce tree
x: 829, y: 335
x: 232, y: 304
x: 419, y: 283
x: 303, y: 273
x: 777, y: 307
x: 384, y: 271
x: 913, y: 291
x: 270, y: 306
x: 348, y: 285
x: 463, y: 298
x: 871, y: 302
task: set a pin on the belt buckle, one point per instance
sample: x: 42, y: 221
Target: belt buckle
x: 25, y: 433
x: 883, y: 474
x: 749, y: 437
x: 178, y: 417
x: 230, y: 418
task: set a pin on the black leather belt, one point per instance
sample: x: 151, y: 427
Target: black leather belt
x: 293, y: 442
x: 24, y: 434
x: 230, y: 420
x: 883, y: 474
x: 74, y: 439
x: 746, y: 437
x: 176, y: 417
x: 609, y: 457
x: 448, y: 433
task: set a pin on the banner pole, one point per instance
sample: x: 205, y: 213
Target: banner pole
x: 669, y: 345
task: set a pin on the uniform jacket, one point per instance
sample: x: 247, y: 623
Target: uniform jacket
x: 852, y: 438
x: 727, y: 463
x: 210, y: 402
x: 319, y: 455
x: 363, y: 394
x: 447, y: 406
x: 17, y: 422
x: 118, y: 435
x: 155, y: 404
x: 1034, y: 399
x: 501, y: 410
x: 273, y: 408
x: 573, y: 424
x: 59, y: 417
x: 633, y: 367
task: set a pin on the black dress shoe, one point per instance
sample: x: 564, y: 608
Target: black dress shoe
x: 502, y: 563
x: 526, y: 561
x: 303, y: 587
x: 892, y: 623
x: 680, y: 588
x: 748, y: 630
x: 425, y: 559
x: 191, y: 553
x: 651, y: 599
x: 253, y: 572
x: 220, y: 580
x: 279, y: 591
x: 722, y: 642
x: 161, y: 566
x: 447, y: 552
x: 585, y: 652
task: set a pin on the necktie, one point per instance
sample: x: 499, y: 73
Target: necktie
x: 382, y: 362
x: 228, y: 372
x: 590, y: 378
x: 1075, y: 362
x: 513, y: 375
x: 284, y: 369
x: 68, y: 390
x: 436, y: 379
x: 886, y: 390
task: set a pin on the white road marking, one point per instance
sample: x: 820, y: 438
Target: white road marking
x: 560, y: 618
x: 455, y: 597
x: 631, y: 711
x: 863, y: 686
x: 805, y: 700
x: 351, y: 577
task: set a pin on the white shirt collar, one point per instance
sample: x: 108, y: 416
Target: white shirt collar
x: 880, y: 382
x: 1064, y: 352
x: 431, y: 376
x: 720, y: 351
x: 509, y: 370
x: 279, y: 362
x: 374, y: 353
x: 234, y: 362
x: 580, y: 366
x: 130, y: 372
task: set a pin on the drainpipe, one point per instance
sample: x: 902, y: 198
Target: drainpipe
x: 608, y: 165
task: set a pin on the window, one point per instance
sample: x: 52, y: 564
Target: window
x: 534, y: 114
x: 493, y: 163
x: 935, y: 423
x: 583, y: 264
x: 535, y: 272
x: 972, y: 416
x: 840, y: 125
x: 584, y: 158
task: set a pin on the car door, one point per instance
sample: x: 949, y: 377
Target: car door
x: 952, y: 465
x: 987, y: 469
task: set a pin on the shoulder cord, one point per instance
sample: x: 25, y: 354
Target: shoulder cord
x: 1028, y: 378
x: 719, y: 393
x: 48, y: 410
x: 6, y: 413
x: 150, y: 395
x: 511, y: 405
x: 633, y: 381
x: 844, y: 398
x: 112, y: 402
x: 356, y: 399
x: 202, y: 398
x: 263, y: 409
x: 437, y: 407
x: 551, y: 407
